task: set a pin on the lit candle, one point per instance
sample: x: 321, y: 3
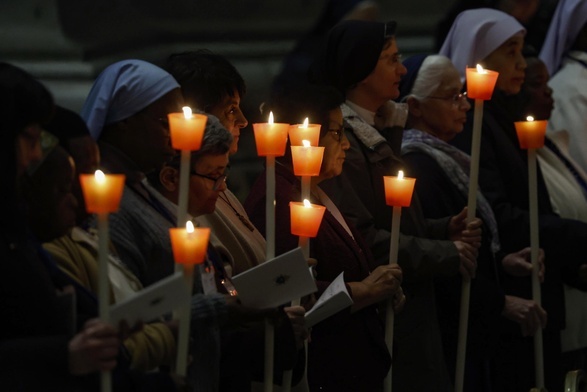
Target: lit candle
x: 306, y: 159
x: 531, y: 136
x: 189, y: 244
x: 531, y: 133
x: 270, y: 137
x: 186, y: 129
x: 102, y: 194
x: 398, y: 194
x: 480, y: 82
x: 189, y: 247
x: 398, y: 190
x: 305, y: 131
x: 306, y: 218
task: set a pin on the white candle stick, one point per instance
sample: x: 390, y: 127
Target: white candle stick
x: 104, y: 286
x: 184, y: 186
x: 471, y: 208
x: 534, y: 245
x: 184, y: 315
x: 390, y: 314
x: 270, y: 254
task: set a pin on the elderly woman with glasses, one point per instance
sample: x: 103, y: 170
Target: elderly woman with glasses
x: 347, y: 351
x: 438, y: 111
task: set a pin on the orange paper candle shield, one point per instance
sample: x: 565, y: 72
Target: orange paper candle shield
x: 186, y: 129
x: 300, y: 132
x: 306, y: 159
x: 398, y: 190
x: 102, y: 192
x: 270, y: 138
x: 189, y: 244
x: 531, y: 133
x: 305, y: 218
x: 480, y: 83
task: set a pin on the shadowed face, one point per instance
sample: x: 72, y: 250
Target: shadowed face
x: 335, y: 144
x: 510, y: 63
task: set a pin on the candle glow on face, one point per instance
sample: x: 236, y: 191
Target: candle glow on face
x: 305, y: 218
x: 398, y: 190
x: 187, y: 112
x: 530, y: 132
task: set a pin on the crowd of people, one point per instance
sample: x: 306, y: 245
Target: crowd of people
x: 377, y: 115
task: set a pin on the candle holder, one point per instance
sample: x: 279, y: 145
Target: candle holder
x: 186, y: 129
x: 398, y: 194
x: 305, y: 131
x: 306, y: 218
x: 102, y: 194
x: 531, y: 136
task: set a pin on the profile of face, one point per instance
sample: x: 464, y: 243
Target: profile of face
x: 540, y: 103
x: 508, y: 60
x: 52, y: 205
x: 149, y: 131
x: 207, y: 180
x: 335, y: 144
x: 231, y: 117
x: 383, y: 82
x: 28, y: 148
x: 443, y: 113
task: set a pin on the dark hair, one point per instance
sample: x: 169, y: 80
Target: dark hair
x: 206, y: 78
x: 67, y: 125
x: 23, y: 101
x: 294, y: 104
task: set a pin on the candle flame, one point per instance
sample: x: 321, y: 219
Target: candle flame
x: 400, y: 175
x: 480, y: 69
x: 307, y: 203
x: 189, y: 227
x: 270, y: 118
x: 529, y: 118
x: 306, y: 143
x: 99, y: 176
x: 187, y: 112
x: 305, y: 124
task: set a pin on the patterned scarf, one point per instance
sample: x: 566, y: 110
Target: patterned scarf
x: 456, y: 166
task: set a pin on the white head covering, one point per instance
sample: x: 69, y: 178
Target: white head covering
x: 475, y: 34
x: 122, y: 90
x: 568, y: 20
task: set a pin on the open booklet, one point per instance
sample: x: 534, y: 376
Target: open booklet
x: 275, y: 282
x: 334, y: 299
x: 153, y: 301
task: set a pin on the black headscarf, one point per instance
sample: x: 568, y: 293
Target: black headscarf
x: 67, y: 125
x: 350, y: 53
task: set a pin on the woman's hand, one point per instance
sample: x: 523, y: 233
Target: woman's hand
x: 93, y: 349
x: 296, y: 315
x: 525, y: 312
x: 520, y: 264
x: 381, y: 284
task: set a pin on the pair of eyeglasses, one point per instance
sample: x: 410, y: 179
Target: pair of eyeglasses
x: 218, y: 181
x: 337, y: 134
x: 456, y: 99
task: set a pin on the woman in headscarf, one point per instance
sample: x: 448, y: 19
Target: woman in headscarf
x: 495, y: 40
x: 437, y: 112
x: 565, y: 55
x: 347, y: 351
x: 362, y: 61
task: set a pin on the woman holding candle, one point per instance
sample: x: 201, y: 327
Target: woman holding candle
x: 347, y: 351
x: 37, y: 346
x: 209, y: 82
x: 362, y: 61
x: 438, y: 111
x: 495, y: 40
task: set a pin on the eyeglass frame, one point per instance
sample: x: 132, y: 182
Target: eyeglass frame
x: 218, y: 181
x: 456, y: 99
x: 337, y: 134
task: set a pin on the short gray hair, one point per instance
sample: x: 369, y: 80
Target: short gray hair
x: 430, y: 76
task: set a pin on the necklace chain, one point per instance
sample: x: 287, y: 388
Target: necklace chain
x: 242, y: 218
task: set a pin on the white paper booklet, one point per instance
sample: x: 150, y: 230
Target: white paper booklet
x: 334, y: 299
x: 275, y: 282
x: 152, y: 302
